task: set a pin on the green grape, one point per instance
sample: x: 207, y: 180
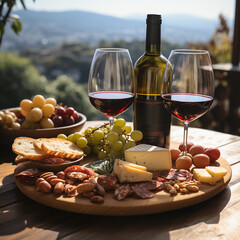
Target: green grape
x: 46, y: 123
x: 35, y: 114
x: 82, y: 142
x: 95, y: 150
x: 107, y: 148
x: 122, y: 139
x: 120, y: 122
x: 127, y: 129
x: 88, y: 131
x: 117, y: 129
x: 89, y: 139
x: 136, y: 135
x: 92, y: 127
x: 117, y: 146
x: 76, y: 136
x: 112, y: 137
x: 98, y: 134
x: 128, y: 145
x: 38, y: 101
x: 102, y: 155
x: 95, y: 141
x: 48, y: 110
x: 70, y: 137
x: 63, y: 136
x: 87, y: 150
x: 26, y: 105
x: 27, y: 124
x: 52, y: 101
x: 118, y: 154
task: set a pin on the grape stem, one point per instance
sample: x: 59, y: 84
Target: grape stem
x: 104, y: 125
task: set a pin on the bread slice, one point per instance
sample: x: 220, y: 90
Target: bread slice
x: 20, y: 159
x: 61, y: 148
x: 24, y: 146
x: 38, y: 143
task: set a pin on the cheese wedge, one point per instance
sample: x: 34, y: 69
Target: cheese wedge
x: 216, y: 172
x: 152, y: 157
x: 128, y: 172
x: 202, y: 175
x: 209, y: 174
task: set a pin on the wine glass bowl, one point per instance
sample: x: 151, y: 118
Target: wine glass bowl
x: 188, y: 85
x: 110, y: 84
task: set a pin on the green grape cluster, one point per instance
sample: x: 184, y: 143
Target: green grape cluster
x: 105, y: 141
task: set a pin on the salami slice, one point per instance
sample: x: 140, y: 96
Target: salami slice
x: 27, y: 177
x: 77, y: 168
x: 122, y: 192
x: 53, y: 160
x: 108, y: 182
x: 150, y: 185
x: 177, y: 174
x: 141, y: 191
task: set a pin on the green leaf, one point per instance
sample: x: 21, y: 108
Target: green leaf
x: 16, y: 26
x: 23, y: 4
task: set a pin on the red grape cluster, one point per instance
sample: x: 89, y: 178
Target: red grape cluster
x: 65, y: 116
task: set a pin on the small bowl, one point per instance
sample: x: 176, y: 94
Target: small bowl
x: 8, y: 135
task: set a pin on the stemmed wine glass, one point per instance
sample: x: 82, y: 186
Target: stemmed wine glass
x: 110, y: 84
x: 188, y: 86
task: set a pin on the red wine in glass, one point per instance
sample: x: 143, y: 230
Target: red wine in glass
x: 111, y: 103
x: 187, y: 106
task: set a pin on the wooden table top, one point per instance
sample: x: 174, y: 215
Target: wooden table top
x: 216, y: 218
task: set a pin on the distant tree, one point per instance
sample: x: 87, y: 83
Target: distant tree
x: 66, y: 91
x: 6, y: 7
x: 220, y: 43
x: 18, y: 79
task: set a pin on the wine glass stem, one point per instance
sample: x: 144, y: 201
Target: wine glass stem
x: 111, y: 121
x: 185, y: 136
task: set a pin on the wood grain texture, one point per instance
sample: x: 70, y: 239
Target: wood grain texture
x: 216, y: 218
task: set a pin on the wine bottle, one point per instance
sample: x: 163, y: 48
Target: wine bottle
x: 150, y: 115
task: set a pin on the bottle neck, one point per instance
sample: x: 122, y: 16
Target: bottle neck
x: 153, y: 39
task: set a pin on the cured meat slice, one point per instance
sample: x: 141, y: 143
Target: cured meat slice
x: 142, y: 192
x: 151, y: 185
x: 77, y: 168
x: 53, y: 160
x: 27, y: 177
x: 122, y: 192
x: 77, y: 176
x: 177, y: 174
x: 108, y: 182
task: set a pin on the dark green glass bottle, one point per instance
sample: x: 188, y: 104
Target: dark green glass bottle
x: 150, y: 116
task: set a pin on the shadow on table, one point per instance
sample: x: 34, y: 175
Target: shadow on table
x: 28, y: 217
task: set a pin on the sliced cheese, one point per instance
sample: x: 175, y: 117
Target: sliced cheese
x: 120, y: 162
x: 209, y: 174
x: 152, y: 157
x: 128, y: 172
x: 216, y: 172
x: 202, y: 175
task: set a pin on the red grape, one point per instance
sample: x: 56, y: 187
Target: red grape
x: 58, y: 121
x: 69, y: 111
x: 189, y: 145
x: 61, y: 111
x: 69, y: 120
x: 76, y: 116
x: 213, y: 154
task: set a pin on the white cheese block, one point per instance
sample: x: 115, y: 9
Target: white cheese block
x: 152, y: 157
x: 130, y: 173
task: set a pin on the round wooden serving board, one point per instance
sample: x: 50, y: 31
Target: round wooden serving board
x: 161, y: 202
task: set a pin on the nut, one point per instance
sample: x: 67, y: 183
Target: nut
x: 45, y: 187
x: 59, y: 188
x: 97, y: 199
x: 46, y: 175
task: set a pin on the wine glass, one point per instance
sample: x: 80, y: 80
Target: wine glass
x: 110, y: 84
x: 188, y: 86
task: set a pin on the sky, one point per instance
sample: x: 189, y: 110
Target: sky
x: 124, y: 8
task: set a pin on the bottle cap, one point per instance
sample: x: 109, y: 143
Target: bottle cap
x: 154, y: 19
